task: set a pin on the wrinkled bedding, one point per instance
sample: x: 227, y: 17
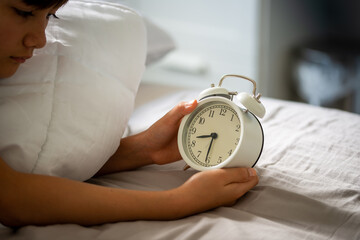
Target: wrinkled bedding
x: 309, y: 183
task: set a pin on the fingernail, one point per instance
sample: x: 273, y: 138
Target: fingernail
x: 252, y: 172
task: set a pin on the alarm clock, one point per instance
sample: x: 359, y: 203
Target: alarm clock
x: 220, y: 133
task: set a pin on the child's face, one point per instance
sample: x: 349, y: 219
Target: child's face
x: 22, y: 29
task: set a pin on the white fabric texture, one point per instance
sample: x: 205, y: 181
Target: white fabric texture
x: 63, y: 113
x: 309, y: 183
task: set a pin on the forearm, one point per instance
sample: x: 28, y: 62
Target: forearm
x: 41, y: 200
x: 131, y: 154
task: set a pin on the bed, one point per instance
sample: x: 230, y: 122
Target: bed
x: 309, y: 183
x: 309, y: 173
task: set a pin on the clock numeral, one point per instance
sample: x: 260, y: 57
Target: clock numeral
x: 222, y: 112
x: 219, y: 159
x: 232, y: 117
x: 193, y: 143
x: 237, y: 128
x: 199, y: 153
x: 237, y: 141
x: 193, y: 130
x: 201, y: 120
x: 230, y: 152
x: 211, y: 113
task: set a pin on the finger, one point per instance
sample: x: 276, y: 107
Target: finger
x: 189, y: 107
x: 239, y: 175
x: 239, y: 189
x: 180, y: 110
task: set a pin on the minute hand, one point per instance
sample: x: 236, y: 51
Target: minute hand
x: 213, y: 136
x: 207, y: 154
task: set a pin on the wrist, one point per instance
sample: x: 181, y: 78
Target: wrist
x: 131, y: 154
x: 136, y: 150
x: 145, y: 150
x: 185, y: 202
x: 161, y: 205
x: 179, y: 204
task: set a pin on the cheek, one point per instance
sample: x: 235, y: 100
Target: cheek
x: 10, y: 37
x: 10, y: 45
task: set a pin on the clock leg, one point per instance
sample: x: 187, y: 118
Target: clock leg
x: 186, y: 167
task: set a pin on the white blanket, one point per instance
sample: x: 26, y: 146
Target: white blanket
x: 309, y: 183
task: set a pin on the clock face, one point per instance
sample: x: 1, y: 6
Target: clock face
x: 211, y: 134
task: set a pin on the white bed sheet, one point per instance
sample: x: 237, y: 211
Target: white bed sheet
x: 309, y: 183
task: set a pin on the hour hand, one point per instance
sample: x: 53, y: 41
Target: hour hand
x: 212, y: 135
x: 204, y: 136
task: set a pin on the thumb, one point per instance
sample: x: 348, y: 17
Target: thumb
x: 180, y: 110
x: 188, y: 107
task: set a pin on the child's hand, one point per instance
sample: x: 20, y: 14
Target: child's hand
x: 162, y: 135
x: 215, y: 188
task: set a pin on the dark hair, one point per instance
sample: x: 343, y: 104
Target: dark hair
x: 41, y: 4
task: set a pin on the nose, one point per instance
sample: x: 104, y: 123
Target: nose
x: 36, y: 37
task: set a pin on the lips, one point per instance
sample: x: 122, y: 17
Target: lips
x: 20, y: 59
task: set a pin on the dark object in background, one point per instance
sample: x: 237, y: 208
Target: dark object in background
x: 327, y: 73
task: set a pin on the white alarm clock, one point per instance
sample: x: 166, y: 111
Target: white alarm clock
x: 219, y: 133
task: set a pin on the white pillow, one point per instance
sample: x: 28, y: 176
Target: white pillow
x: 159, y: 42
x: 64, y: 112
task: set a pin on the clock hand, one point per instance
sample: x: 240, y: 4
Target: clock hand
x: 213, y: 136
x: 207, y: 154
x: 204, y: 136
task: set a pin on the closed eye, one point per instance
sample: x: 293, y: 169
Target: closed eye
x: 24, y: 14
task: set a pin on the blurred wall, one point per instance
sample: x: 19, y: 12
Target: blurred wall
x: 212, y: 38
